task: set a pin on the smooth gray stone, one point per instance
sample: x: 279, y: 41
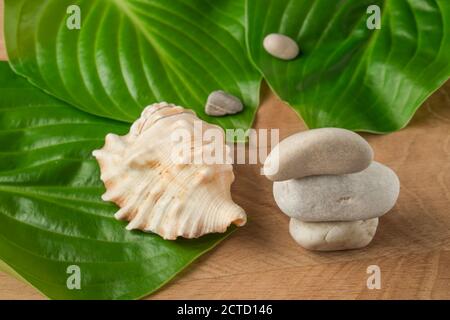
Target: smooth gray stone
x: 357, y: 196
x: 220, y: 103
x: 333, y: 236
x: 281, y: 46
x: 318, y: 152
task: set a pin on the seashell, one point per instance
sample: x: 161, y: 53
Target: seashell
x: 157, y: 192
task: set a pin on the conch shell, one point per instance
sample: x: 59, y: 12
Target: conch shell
x: 157, y: 193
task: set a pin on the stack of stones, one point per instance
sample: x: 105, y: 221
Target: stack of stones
x: 327, y: 182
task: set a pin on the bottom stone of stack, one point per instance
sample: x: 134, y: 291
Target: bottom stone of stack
x: 333, y: 236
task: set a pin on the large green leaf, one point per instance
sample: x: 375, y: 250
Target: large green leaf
x: 131, y: 53
x: 347, y: 75
x: 51, y: 213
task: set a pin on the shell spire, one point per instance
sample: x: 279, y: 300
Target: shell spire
x: 155, y: 190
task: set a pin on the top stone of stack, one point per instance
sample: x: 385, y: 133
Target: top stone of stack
x: 326, y: 151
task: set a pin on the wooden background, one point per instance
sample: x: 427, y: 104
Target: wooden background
x: 261, y: 261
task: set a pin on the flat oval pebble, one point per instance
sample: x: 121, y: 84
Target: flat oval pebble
x: 357, y: 196
x: 318, y: 152
x: 220, y: 103
x: 281, y: 46
x: 332, y: 236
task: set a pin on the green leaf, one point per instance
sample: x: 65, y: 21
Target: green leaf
x: 131, y: 53
x: 51, y: 213
x: 347, y: 75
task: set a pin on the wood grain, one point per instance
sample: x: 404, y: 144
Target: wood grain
x: 261, y: 261
x: 3, y: 55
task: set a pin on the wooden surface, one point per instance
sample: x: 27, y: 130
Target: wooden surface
x: 261, y: 261
x: 2, y: 44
